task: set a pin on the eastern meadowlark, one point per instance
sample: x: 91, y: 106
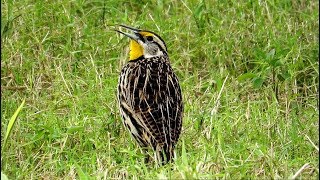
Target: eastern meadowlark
x: 149, y: 95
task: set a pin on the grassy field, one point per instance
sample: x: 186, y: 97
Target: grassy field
x: 248, y: 70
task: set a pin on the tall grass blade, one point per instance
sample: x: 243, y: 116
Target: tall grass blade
x: 81, y: 174
x: 11, y: 123
x: 3, y: 176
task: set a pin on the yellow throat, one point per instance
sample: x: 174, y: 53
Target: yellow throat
x: 136, y: 50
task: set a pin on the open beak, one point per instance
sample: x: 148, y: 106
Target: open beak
x: 135, y: 36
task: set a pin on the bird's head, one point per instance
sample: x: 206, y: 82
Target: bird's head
x: 144, y: 44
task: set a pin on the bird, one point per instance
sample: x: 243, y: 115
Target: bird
x: 149, y: 95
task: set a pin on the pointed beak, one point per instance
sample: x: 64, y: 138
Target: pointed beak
x: 135, y: 36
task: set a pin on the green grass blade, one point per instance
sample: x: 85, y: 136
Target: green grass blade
x: 184, y: 154
x: 11, y: 123
x: 3, y: 176
x: 82, y: 175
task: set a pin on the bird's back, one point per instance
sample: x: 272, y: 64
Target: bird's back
x: 150, y: 102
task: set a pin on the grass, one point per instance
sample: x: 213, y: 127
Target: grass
x: 248, y: 71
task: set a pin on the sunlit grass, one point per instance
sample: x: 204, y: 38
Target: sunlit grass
x: 248, y: 71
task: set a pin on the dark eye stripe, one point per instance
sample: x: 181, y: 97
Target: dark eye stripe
x: 155, y: 34
x: 140, y: 37
x: 161, y: 49
x: 149, y: 38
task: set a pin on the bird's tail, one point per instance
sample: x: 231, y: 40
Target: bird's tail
x: 165, y: 154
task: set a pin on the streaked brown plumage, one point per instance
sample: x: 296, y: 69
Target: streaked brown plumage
x: 149, y: 96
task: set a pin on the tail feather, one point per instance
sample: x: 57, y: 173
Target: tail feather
x: 165, y: 155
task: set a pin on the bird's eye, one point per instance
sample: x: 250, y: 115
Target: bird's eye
x: 149, y: 38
